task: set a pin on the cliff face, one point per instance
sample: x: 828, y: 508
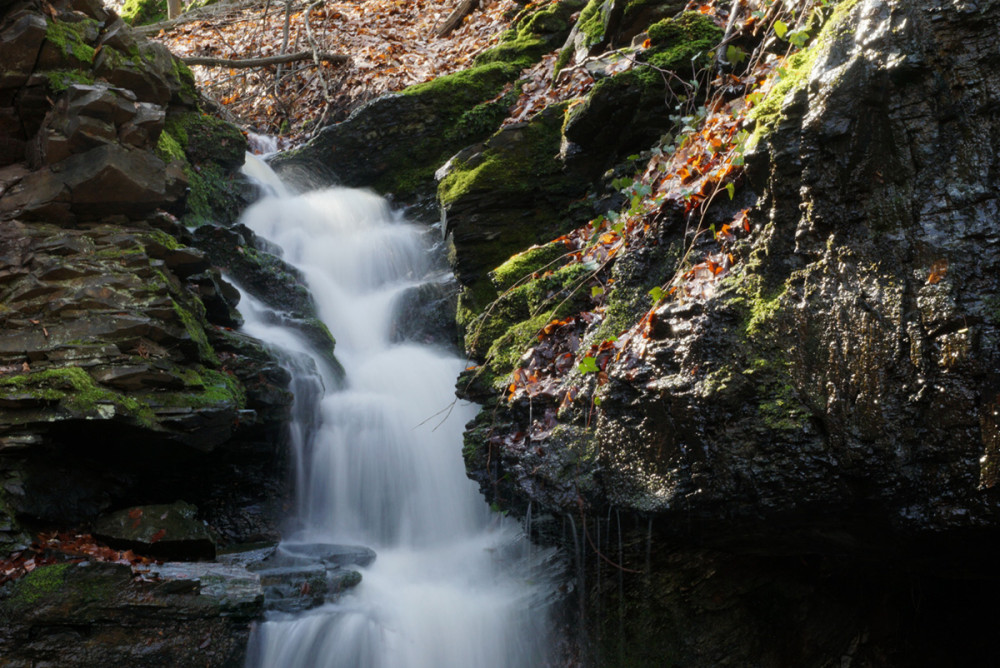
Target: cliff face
x: 834, y: 398
x: 122, y: 381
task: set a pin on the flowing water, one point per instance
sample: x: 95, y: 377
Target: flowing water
x: 378, y: 460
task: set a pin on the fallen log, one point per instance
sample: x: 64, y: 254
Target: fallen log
x: 335, y: 58
x: 455, y: 18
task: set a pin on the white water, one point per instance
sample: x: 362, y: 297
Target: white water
x: 379, y: 462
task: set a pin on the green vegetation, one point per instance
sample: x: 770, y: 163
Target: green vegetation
x: 683, y: 43
x: 206, y: 147
x: 533, y: 34
x: 60, y: 80
x: 513, y: 321
x: 142, y: 12
x: 196, y: 332
x: 484, y: 118
x: 795, y: 73
x: 592, y: 22
x: 522, y: 265
x: 515, y: 166
x: 37, y: 584
x: 71, y: 38
x: 75, y: 390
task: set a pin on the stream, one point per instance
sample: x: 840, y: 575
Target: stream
x: 378, y: 459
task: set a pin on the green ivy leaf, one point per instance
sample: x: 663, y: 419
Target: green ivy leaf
x: 588, y: 365
x: 780, y: 28
x: 596, y: 291
x: 657, y: 294
x: 731, y: 189
x: 735, y: 54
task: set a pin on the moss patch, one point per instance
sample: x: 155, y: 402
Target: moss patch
x: 682, y: 43
x: 196, y: 331
x: 142, y: 12
x: 38, y: 584
x: 522, y: 265
x: 207, y: 148
x: 60, y: 80
x: 71, y: 38
x: 74, y: 389
x: 795, y: 73
x: 510, y: 325
x: 512, y: 166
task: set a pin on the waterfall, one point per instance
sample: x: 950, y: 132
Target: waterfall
x: 379, y: 461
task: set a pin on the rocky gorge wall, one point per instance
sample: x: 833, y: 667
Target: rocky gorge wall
x: 798, y: 467
x: 130, y: 405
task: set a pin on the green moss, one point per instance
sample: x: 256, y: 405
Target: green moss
x: 521, y: 52
x: 516, y: 167
x: 142, y: 12
x: 60, y: 80
x: 507, y: 328
x: 522, y: 265
x: 71, y: 38
x: 505, y: 353
x: 196, y: 332
x: 483, y: 118
x: 169, y: 149
x: 218, y: 388
x: 562, y: 60
x: 532, y: 34
x: 454, y: 93
x: 76, y: 390
x: 37, y: 584
x: 795, y: 73
x: 462, y: 104
x: 185, y: 76
x: 206, y: 138
x: 682, y: 43
x: 164, y: 239
x: 592, y: 22
x: 213, y: 195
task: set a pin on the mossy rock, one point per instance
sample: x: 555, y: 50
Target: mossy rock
x: 504, y: 196
x: 682, y: 44
x: 521, y: 266
x: 533, y: 34
x: 143, y: 12
x: 395, y: 143
x: 205, y: 138
x: 208, y: 150
x: 511, y: 324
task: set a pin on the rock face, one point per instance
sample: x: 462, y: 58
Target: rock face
x: 819, y: 436
x: 98, y: 614
x: 123, y: 389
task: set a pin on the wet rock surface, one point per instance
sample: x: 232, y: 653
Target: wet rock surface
x: 833, y: 402
x: 123, y: 388
x: 91, y: 613
x: 300, y: 576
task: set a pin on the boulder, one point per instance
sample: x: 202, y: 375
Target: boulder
x: 97, y: 613
x: 166, y: 531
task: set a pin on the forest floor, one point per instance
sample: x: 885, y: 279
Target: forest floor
x: 392, y: 44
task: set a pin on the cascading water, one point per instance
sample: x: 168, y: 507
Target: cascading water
x: 379, y: 463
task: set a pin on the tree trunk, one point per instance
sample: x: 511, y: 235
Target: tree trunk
x: 173, y: 9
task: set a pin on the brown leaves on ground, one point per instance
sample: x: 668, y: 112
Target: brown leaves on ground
x: 56, y: 547
x: 392, y: 44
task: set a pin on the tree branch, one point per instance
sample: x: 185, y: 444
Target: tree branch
x: 455, y: 18
x: 335, y: 58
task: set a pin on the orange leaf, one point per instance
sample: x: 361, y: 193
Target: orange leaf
x: 938, y: 271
